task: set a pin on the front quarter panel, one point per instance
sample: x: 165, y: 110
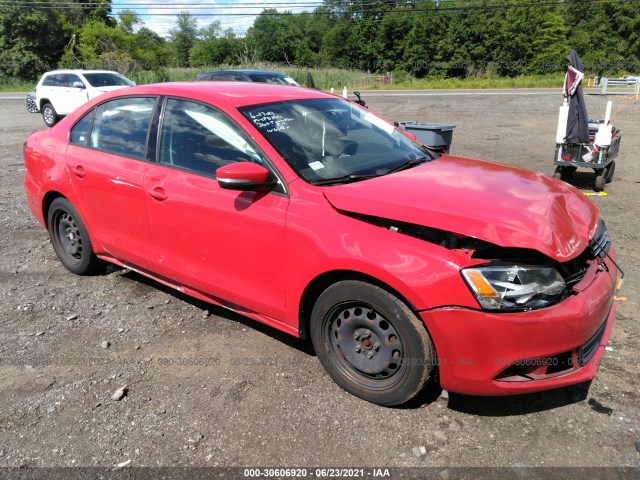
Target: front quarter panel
x: 322, y: 240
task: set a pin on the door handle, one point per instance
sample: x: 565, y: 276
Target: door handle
x: 78, y: 171
x: 157, y: 194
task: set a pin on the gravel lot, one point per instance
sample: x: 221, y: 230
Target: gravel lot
x: 250, y: 396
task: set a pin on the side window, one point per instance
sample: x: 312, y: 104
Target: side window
x: 201, y: 139
x: 74, y: 78
x: 120, y: 126
x: 49, y: 81
x: 62, y: 80
x: 80, y: 132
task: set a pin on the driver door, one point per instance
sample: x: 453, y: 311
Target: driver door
x: 227, y: 244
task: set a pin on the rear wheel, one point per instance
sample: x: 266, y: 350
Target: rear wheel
x: 49, y: 115
x: 610, y: 171
x: 70, y: 239
x: 371, y: 343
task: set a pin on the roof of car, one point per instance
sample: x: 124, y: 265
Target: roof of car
x: 78, y: 70
x: 229, y: 94
x: 248, y: 72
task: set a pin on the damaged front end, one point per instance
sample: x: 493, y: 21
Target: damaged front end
x: 507, y: 278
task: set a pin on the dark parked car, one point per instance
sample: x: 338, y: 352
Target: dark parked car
x: 260, y: 76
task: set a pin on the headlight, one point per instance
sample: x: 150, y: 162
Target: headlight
x: 514, y: 288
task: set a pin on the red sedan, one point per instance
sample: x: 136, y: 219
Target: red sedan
x: 313, y: 215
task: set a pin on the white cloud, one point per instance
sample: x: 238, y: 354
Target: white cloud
x: 238, y: 15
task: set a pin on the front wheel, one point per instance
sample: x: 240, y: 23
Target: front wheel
x: 371, y: 343
x: 598, y: 184
x: 70, y: 239
x: 559, y: 173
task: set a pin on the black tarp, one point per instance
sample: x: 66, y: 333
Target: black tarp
x: 577, y: 123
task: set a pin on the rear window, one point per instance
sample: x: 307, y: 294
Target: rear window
x: 49, y: 81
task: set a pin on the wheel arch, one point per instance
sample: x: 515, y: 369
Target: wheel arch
x: 323, y: 281
x: 46, y: 204
x: 43, y: 102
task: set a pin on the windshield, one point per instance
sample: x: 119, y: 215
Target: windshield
x: 107, y: 80
x: 331, y: 139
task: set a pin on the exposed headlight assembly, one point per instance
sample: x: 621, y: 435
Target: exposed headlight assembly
x: 515, y: 287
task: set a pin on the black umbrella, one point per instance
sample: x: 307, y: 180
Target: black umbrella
x: 577, y: 122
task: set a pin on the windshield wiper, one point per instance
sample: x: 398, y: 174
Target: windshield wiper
x: 408, y: 164
x: 352, y: 177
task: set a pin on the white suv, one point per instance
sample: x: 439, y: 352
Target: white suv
x: 59, y: 92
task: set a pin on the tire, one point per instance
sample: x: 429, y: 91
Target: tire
x: 371, y: 343
x: 610, y: 171
x: 70, y: 239
x: 49, y: 115
x: 559, y: 173
x: 32, y: 107
x: 598, y: 184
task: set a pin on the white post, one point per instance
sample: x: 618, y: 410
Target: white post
x: 563, y: 117
x: 607, y: 115
x: 344, y: 92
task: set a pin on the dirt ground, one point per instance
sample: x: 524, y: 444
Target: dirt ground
x: 209, y: 388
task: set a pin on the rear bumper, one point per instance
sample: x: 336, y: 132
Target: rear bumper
x: 484, y: 353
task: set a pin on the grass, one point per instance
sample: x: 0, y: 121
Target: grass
x: 326, y: 78
x: 525, y: 81
x: 8, y: 86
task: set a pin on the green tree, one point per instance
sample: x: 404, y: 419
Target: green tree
x: 215, y: 47
x: 150, y: 49
x: 605, y: 34
x: 274, y: 35
x: 128, y: 21
x: 339, y: 47
x: 103, y: 46
x: 31, y: 41
x: 184, y: 37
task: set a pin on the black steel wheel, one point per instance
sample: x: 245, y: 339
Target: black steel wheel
x: 70, y: 239
x: 608, y: 178
x: 49, y: 115
x: 371, y: 343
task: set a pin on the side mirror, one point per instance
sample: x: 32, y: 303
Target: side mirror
x: 246, y: 176
x: 77, y: 84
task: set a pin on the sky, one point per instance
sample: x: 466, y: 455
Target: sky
x: 160, y: 16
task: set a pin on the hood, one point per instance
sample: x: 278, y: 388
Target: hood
x: 506, y: 206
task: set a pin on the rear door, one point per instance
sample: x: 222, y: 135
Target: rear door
x: 63, y: 96
x: 107, y: 158
x: 228, y: 244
